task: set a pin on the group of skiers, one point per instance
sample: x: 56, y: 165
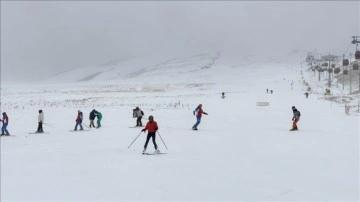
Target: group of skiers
x: 93, y: 114
x: 151, y: 125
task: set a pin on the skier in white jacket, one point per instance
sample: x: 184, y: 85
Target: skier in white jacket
x: 41, y: 121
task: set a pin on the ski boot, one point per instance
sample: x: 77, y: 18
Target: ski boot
x: 144, y: 151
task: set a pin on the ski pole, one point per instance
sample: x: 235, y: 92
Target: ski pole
x: 162, y: 140
x: 49, y: 125
x: 86, y: 126
x: 134, y: 140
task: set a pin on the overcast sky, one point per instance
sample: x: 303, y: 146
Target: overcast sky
x: 51, y: 36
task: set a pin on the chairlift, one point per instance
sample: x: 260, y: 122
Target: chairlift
x: 357, y: 54
x: 355, y: 66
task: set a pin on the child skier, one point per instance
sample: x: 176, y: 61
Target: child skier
x: 40, y: 121
x: 5, y: 122
x: 99, y: 117
x: 92, y: 117
x: 198, y: 113
x: 152, y: 127
x: 138, y: 113
x: 78, y: 120
x: 295, y: 118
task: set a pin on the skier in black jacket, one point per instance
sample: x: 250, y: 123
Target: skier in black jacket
x: 92, y: 116
x: 295, y: 118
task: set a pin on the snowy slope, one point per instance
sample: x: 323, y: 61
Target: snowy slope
x: 241, y: 152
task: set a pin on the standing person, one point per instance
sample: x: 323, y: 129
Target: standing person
x: 152, y: 127
x: 295, y: 118
x: 198, y: 113
x: 99, y: 117
x: 138, y: 113
x: 41, y: 121
x: 92, y: 117
x: 5, y: 122
x: 78, y: 120
x: 306, y: 94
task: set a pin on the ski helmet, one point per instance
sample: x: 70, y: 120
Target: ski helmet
x: 151, y: 118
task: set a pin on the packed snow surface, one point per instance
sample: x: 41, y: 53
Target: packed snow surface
x: 241, y: 152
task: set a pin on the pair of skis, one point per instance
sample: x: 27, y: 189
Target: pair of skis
x: 153, y: 153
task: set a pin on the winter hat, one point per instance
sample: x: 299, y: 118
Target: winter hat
x: 4, y: 113
x: 40, y: 111
x: 151, y: 118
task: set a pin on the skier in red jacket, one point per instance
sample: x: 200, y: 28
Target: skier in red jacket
x: 198, y: 112
x: 152, y: 127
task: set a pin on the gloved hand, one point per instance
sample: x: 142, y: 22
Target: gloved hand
x: 143, y: 130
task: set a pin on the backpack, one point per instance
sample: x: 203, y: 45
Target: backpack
x: 142, y: 113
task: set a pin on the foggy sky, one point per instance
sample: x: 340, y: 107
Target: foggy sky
x: 51, y: 36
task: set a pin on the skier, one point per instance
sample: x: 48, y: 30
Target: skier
x: 198, y: 113
x: 306, y: 94
x: 99, y: 117
x: 138, y: 113
x: 78, y: 120
x: 223, y: 95
x: 92, y: 117
x: 5, y: 122
x: 295, y: 118
x: 152, y: 127
x: 41, y: 121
